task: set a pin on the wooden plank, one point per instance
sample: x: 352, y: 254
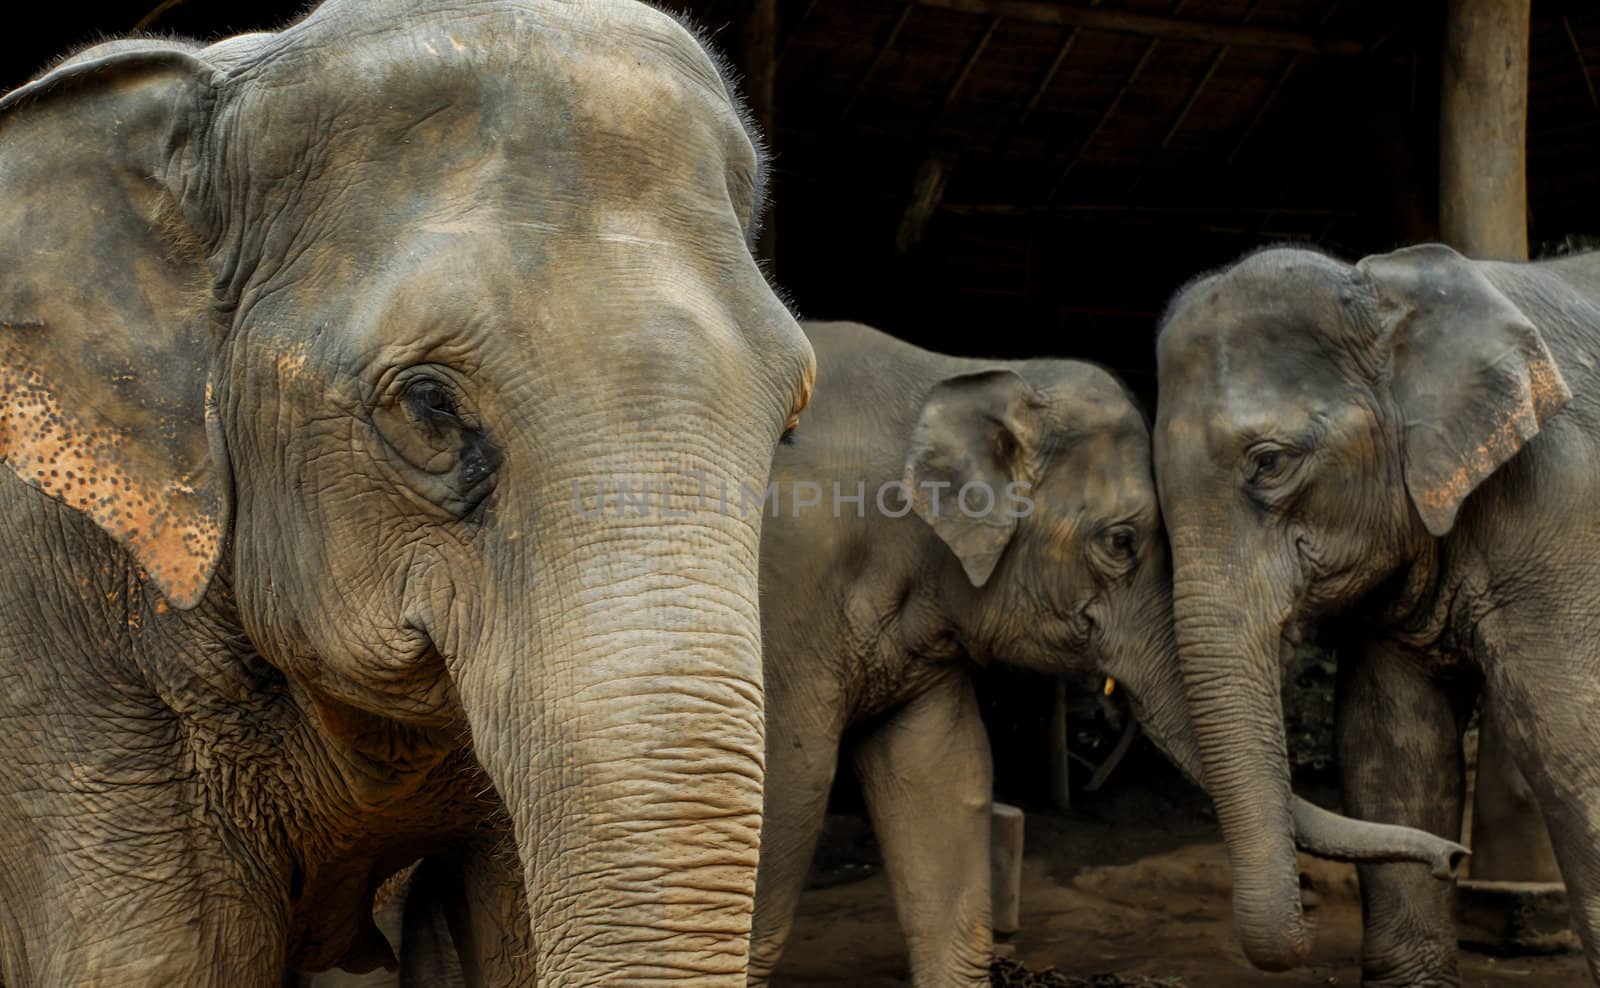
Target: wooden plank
x: 1160, y: 27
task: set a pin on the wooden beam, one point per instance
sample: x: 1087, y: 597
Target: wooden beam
x: 1266, y: 104
x: 1049, y: 76
x: 794, y: 30
x: 1583, y: 63
x: 1200, y: 87
x: 1105, y: 116
x: 877, y: 58
x: 1483, y: 126
x: 967, y: 66
x: 1157, y: 26
x: 1277, y: 87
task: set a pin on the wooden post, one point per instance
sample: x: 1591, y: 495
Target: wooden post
x: 1005, y: 868
x: 1483, y: 123
x: 1483, y: 212
x: 758, y: 62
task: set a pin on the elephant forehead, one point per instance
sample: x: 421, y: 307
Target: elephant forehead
x: 604, y: 89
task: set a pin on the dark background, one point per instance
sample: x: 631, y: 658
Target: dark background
x: 1088, y: 174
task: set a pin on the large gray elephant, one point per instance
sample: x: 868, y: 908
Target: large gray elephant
x: 304, y: 343
x: 1031, y: 536
x: 1408, y: 445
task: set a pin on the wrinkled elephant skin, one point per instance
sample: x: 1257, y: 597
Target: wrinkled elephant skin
x: 306, y: 341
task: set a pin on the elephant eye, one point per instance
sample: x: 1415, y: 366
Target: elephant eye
x: 1267, y: 465
x: 427, y: 399
x: 448, y: 459
x: 1122, y: 542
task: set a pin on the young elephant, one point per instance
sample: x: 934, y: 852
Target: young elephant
x: 1032, y: 536
x: 1410, y: 444
x: 304, y: 342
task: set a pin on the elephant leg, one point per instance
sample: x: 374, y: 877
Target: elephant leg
x: 1546, y: 705
x: 1399, y: 737
x: 802, y: 755
x: 927, y: 776
x: 428, y: 954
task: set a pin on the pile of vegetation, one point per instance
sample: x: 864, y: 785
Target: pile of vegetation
x: 1011, y: 974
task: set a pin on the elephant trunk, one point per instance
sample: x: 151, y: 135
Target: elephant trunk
x: 621, y: 720
x: 1158, y: 697
x: 1329, y: 835
x: 1230, y: 666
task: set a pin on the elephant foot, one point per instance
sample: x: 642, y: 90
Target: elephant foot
x: 1412, y: 977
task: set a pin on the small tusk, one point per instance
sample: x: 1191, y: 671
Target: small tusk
x: 1111, y: 685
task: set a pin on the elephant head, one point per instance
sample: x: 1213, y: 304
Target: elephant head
x: 1068, y: 573
x: 1320, y: 423
x: 323, y: 333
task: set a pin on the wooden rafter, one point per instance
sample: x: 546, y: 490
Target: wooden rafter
x: 1583, y: 63
x: 878, y: 57
x: 1105, y: 116
x: 794, y: 30
x: 1277, y: 87
x: 1161, y: 27
x: 1110, y: 109
x: 1200, y: 87
x: 1049, y: 76
x: 972, y: 60
x: 1265, y: 105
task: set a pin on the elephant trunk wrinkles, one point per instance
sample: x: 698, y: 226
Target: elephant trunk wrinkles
x: 628, y: 749
x: 1230, y: 668
x: 1164, y: 713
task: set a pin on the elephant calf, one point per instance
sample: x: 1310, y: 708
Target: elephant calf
x: 931, y: 513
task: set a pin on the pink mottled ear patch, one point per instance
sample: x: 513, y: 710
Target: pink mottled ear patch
x: 169, y: 519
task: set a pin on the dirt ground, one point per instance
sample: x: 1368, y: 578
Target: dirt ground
x: 1103, y: 896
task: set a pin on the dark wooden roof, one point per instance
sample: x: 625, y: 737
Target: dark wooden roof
x: 1077, y: 161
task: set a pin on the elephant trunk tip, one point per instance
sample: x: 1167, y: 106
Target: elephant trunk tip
x: 1447, y: 863
x: 1279, y: 950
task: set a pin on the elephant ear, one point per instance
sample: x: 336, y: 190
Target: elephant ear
x: 106, y: 308
x: 977, y: 429
x: 1472, y: 376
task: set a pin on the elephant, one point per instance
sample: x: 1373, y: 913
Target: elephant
x: 306, y: 340
x: 1399, y: 454
x: 931, y: 514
